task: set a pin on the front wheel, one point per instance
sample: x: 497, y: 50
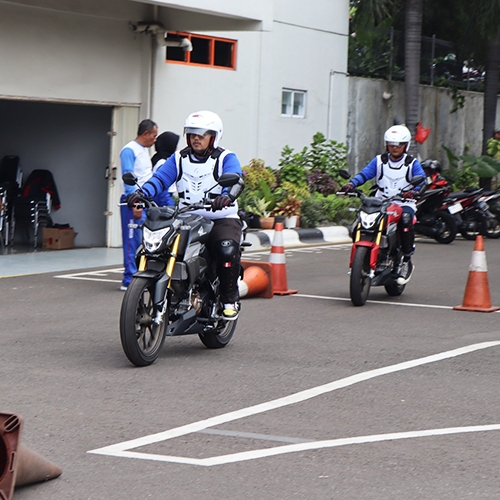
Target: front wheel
x: 360, y: 281
x: 446, y: 227
x: 141, y: 337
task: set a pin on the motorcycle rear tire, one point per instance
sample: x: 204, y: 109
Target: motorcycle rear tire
x: 492, y: 228
x: 394, y: 290
x: 448, y: 225
x: 478, y: 220
x: 141, y: 338
x: 221, y: 337
x: 360, y: 282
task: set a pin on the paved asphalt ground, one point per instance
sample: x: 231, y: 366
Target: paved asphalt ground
x: 313, y: 398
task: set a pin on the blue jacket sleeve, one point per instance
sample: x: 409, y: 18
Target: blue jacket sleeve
x: 417, y: 169
x: 127, y: 160
x: 162, y: 179
x: 231, y: 164
x: 369, y: 172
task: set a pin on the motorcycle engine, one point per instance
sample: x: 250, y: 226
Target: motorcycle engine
x: 194, y: 301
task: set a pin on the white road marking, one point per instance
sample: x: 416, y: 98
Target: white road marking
x: 344, y: 299
x: 94, y: 275
x: 122, y: 449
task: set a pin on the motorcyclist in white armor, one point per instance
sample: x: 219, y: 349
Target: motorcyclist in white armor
x: 392, y: 171
x: 194, y: 170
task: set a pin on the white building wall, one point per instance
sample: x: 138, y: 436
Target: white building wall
x: 90, y: 55
x: 300, y: 52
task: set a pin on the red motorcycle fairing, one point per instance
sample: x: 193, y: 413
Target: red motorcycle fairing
x: 374, y: 249
x: 394, y: 213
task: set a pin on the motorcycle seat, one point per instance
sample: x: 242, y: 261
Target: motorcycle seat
x: 459, y: 195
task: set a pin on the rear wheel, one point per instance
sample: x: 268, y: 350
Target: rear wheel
x: 221, y: 336
x: 446, y: 226
x: 492, y: 228
x: 474, y: 225
x: 360, y: 281
x: 141, y: 337
x: 394, y: 290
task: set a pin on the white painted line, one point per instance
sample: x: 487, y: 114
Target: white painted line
x: 387, y: 303
x: 333, y: 443
x: 83, y: 278
x: 93, y: 275
x: 253, y: 435
x: 121, y: 449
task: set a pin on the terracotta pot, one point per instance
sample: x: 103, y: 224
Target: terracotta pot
x: 266, y: 222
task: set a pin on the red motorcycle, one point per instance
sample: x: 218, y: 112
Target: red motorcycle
x: 376, y: 253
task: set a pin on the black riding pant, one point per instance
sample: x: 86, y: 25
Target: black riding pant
x: 224, y: 247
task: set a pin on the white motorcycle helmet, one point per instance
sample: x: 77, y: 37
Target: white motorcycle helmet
x: 397, y: 134
x: 204, y: 121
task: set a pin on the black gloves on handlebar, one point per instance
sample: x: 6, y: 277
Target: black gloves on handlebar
x: 134, y: 198
x: 348, y: 188
x: 222, y: 201
x: 408, y: 195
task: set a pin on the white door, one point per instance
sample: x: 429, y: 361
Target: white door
x: 124, y: 129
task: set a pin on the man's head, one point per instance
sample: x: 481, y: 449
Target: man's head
x: 203, y: 131
x: 397, y: 141
x: 146, y: 133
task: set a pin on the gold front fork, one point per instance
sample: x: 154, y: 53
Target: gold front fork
x: 173, y: 259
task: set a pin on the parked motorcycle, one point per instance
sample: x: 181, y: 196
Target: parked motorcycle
x: 376, y: 253
x: 176, y: 289
x: 492, y: 211
x: 475, y: 216
x: 434, y: 219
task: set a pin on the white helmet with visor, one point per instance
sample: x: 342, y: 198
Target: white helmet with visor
x: 201, y: 122
x: 397, y: 135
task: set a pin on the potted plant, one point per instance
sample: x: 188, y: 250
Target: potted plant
x: 260, y: 208
x: 289, y: 207
x: 289, y: 198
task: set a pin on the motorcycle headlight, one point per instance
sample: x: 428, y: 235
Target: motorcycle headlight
x: 368, y: 220
x: 153, y: 239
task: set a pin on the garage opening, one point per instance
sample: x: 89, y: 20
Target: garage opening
x: 72, y: 142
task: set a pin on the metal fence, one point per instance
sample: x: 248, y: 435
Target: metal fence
x: 379, y: 53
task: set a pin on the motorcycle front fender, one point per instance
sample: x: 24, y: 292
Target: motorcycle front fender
x: 374, y: 251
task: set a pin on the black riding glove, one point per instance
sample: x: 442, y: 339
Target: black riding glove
x: 222, y: 201
x: 348, y: 188
x: 134, y: 198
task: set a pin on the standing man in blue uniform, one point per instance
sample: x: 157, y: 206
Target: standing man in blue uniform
x: 134, y: 157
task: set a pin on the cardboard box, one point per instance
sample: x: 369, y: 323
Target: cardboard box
x: 58, y: 239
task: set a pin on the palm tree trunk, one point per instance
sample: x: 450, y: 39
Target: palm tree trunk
x: 491, y: 89
x: 413, y: 35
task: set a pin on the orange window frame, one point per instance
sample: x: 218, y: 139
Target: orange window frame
x: 212, y: 40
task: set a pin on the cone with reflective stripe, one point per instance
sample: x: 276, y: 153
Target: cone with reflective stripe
x: 256, y: 280
x: 477, y: 291
x: 278, y: 264
x: 18, y: 464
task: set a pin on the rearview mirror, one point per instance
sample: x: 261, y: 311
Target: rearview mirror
x: 130, y: 179
x: 418, y: 179
x: 230, y: 179
x: 344, y: 174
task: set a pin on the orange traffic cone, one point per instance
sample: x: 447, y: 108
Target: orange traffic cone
x: 18, y: 464
x: 477, y: 291
x: 278, y: 264
x: 256, y: 279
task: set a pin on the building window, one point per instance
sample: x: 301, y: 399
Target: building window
x: 207, y: 51
x: 293, y: 103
